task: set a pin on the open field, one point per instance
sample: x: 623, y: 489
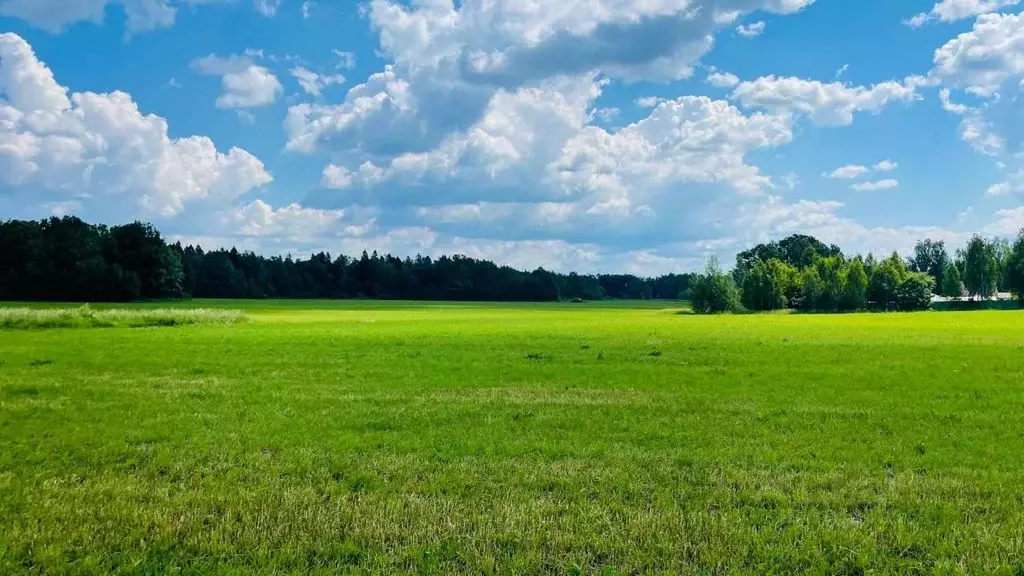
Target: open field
x: 370, y: 437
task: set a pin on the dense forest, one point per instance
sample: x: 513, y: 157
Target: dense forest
x: 66, y: 259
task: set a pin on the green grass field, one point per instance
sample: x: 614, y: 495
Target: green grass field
x: 369, y: 437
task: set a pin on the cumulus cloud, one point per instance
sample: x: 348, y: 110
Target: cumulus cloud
x: 245, y: 84
x: 293, y: 222
x: 1012, y: 185
x: 569, y: 37
x: 985, y: 57
x: 313, y: 83
x: 56, y: 15
x: 346, y: 60
x: 774, y: 218
x: 987, y: 63
x: 952, y: 10
x: 751, y: 30
x: 886, y: 184
x: 448, y: 61
x: 825, y: 104
x: 848, y: 172
x: 518, y: 134
x: 647, y: 101
x: 267, y: 8
x: 140, y: 15
x: 85, y: 144
x: 1008, y: 223
x: 853, y: 171
x: 723, y: 80
x: 948, y: 105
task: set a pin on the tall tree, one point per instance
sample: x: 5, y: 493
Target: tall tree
x: 855, y: 286
x: 714, y: 291
x: 885, y: 282
x: 981, y: 267
x: 952, y: 286
x: 930, y: 257
x: 765, y: 285
x: 1015, y: 268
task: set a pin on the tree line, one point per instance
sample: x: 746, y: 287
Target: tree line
x: 67, y: 259
x: 800, y: 272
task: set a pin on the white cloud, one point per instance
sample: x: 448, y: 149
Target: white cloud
x: 790, y: 181
x: 245, y: 84
x: 723, y: 80
x: 985, y: 57
x: 853, y: 171
x: 57, y: 15
x: 773, y: 218
x: 848, y: 172
x: 293, y: 222
x: 1014, y: 184
x: 86, y: 144
x: 886, y: 184
x: 647, y: 101
x: 346, y: 60
x: 307, y: 9
x: 1008, y: 223
x: 245, y: 117
x: 267, y: 8
x: 140, y: 15
x: 948, y: 105
x: 449, y: 60
x: 977, y: 131
x: 751, y: 30
x: 988, y: 64
x: 607, y: 115
x: 570, y: 37
x: 313, y: 83
x: 825, y: 104
x: 518, y: 134
x: 952, y: 10
x: 690, y: 139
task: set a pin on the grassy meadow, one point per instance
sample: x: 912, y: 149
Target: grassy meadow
x: 627, y: 438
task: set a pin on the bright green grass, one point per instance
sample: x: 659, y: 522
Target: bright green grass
x: 398, y: 438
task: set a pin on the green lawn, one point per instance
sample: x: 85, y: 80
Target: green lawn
x: 369, y: 437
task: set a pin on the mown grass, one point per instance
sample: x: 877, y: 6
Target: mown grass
x: 517, y: 440
x: 86, y: 317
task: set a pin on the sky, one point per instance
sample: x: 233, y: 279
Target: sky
x: 632, y: 136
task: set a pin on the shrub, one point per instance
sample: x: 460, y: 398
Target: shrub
x: 915, y: 292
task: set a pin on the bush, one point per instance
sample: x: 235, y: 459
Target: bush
x: 915, y: 292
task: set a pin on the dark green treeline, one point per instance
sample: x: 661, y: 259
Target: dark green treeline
x: 66, y: 259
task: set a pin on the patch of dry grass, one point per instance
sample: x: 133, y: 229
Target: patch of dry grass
x: 86, y: 317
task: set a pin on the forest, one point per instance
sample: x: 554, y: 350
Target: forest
x: 67, y: 259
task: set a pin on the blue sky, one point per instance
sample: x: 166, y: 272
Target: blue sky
x: 596, y: 135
